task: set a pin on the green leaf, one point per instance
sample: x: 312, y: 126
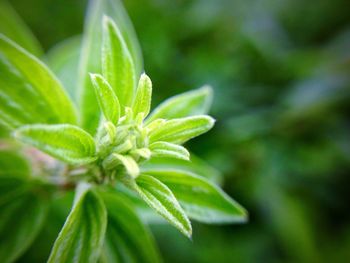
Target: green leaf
x: 63, y: 59
x: 20, y: 221
x: 11, y: 187
x: 194, y: 102
x: 142, y: 100
x: 29, y: 93
x: 166, y: 149
x: 128, y: 162
x: 201, y: 200
x: 106, y: 98
x: 127, y: 238
x: 90, y: 60
x: 13, y: 164
x: 12, y: 26
x: 117, y: 65
x: 66, y: 142
x: 181, y: 130
x: 81, y: 238
x: 159, y: 197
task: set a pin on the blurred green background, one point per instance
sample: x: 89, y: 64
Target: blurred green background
x: 281, y: 74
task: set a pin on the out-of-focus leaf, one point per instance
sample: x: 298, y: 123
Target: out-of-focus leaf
x: 109, y: 103
x: 127, y: 238
x: 181, y: 130
x: 117, y: 64
x: 12, y: 26
x: 63, y: 59
x: 29, y: 93
x: 194, y: 102
x: 66, y: 142
x: 81, y: 238
x: 142, y: 100
x: 90, y: 60
x: 12, y: 163
x: 200, y: 199
x: 159, y: 197
x: 21, y: 220
x: 166, y: 149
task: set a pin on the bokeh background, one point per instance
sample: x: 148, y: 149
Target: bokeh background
x: 281, y: 74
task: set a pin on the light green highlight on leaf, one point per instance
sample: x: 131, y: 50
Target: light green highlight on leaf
x: 166, y: 149
x: 66, y: 142
x: 142, y: 100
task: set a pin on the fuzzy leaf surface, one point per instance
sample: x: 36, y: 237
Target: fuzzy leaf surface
x: 179, y: 131
x: 159, y: 197
x: 81, y: 238
x: 66, y: 142
x: 166, y: 149
x: 142, y: 100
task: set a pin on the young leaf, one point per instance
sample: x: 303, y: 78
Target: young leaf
x: 90, y: 60
x: 65, y: 142
x: 201, y: 200
x: 106, y: 98
x: 25, y: 80
x: 160, y: 198
x: 181, y: 130
x: 12, y: 26
x: 117, y: 64
x: 20, y: 222
x: 166, y: 149
x: 195, y: 102
x: 127, y: 238
x: 81, y: 238
x: 142, y: 100
x: 13, y: 164
x: 128, y: 162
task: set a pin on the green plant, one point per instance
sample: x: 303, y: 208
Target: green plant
x: 115, y: 154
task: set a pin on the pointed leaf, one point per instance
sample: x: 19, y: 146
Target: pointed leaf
x: 166, y: 149
x: 65, y: 142
x: 181, y: 130
x: 81, y: 238
x: 90, y: 60
x: 107, y: 100
x: 29, y: 93
x: 12, y: 26
x: 142, y: 100
x: 117, y: 64
x: 161, y: 199
x: 201, y: 200
x: 20, y: 221
x: 127, y: 238
x: 194, y: 102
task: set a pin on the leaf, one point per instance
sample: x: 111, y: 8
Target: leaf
x: 166, y: 149
x: 12, y: 26
x: 201, y: 200
x: 20, y: 222
x: 65, y: 142
x: 63, y: 59
x: 127, y: 238
x: 142, y: 100
x: 117, y: 64
x: 128, y: 162
x: 106, y: 98
x: 81, y: 238
x: 29, y: 93
x: 90, y: 60
x: 181, y: 130
x: 194, y: 102
x: 161, y: 199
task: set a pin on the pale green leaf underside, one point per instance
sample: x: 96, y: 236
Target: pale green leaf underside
x: 166, y: 149
x: 107, y: 100
x: 194, y: 102
x: 81, y: 238
x: 201, y: 200
x: 127, y: 238
x: 21, y: 220
x: 90, y: 60
x: 142, y: 100
x: 12, y: 26
x: 179, y: 131
x: 161, y: 199
x: 29, y: 93
x: 63, y: 141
